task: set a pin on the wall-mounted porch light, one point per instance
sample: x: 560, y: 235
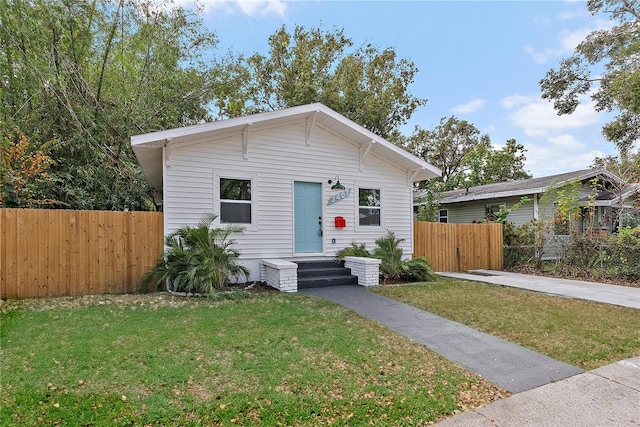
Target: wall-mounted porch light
x: 337, y: 185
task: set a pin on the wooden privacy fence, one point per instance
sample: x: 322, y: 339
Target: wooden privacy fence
x: 459, y: 247
x: 62, y: 252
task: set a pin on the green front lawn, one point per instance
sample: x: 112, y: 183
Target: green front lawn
x: 581, y: 333
x: 271, y: 359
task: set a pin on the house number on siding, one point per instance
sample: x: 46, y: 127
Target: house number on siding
x: 337, y: 197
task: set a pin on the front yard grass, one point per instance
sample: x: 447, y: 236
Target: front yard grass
x: 582, y: 333
x: 271, y: 359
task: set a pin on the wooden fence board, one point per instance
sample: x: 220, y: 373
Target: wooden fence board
x: 47, y: 253
x: 459, y: 247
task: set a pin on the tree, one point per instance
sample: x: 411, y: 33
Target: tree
x: 91, y: 74
x: 446, y: 146
x: 616, y: 88
x: 366, y: 85
x: 487, y: 165
x: 429, y: 201
x: 627, y: 167
x: 465, y: 157
x: 24, y: 178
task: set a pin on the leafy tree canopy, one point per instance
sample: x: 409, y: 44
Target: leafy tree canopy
x: 465, y: 156
x: 626, y: 167
x: 487, y: 165
x: 88, y: 75
x: 24, y: 177
x: 367, y: 85
x: 617, y: 87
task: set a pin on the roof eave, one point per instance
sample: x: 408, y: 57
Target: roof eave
x: 499, y: 195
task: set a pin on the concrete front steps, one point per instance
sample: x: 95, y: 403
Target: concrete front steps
x: 321, y: 274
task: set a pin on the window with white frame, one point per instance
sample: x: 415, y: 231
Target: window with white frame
x: 443, y: 215
x: 235, y: 201
x: 369, y: 208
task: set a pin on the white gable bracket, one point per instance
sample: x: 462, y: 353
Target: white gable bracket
x: 167, y: 152
x: 309, y: 127
x: 245, y: 141
x: 364, y: 153
x: 411, y: 175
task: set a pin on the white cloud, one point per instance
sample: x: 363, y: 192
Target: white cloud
x: 555, y: 144
x: 515, y: 100
x: 558, y: 154
x: 580, y: 12
x: 254, y: 8
x: 567, y: 42
x: 567, y: 142
x: 537, y: 117
x: 469, y: 107
x: 262, y: 7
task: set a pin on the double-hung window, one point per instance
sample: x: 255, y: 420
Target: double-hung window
x: 235, y: 201
x: 369, y: 208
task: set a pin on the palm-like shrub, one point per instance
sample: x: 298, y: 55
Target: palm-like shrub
x: 389, y: 253
x: 419, y: 269
x: 392, y: 266
x: 198, y: 259
x: 354, y: 250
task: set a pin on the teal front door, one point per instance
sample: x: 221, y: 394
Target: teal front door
x: 307, y: 207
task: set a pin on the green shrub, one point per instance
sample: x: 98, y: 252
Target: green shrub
x: 420, y: 269
x: 519, y: 244
x: 623, y: 253
x: 583, y: 251
x: 198, y: 259
x: 392, y: 266
x: 390, y: 255
x: 354, y: 250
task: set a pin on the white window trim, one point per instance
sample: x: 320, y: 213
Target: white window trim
x: 217, y: 201
x: 357, y: 206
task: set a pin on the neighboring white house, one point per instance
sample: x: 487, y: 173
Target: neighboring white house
x: 305, y: 182
x: 611, y: 200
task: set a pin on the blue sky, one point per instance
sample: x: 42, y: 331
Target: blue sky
x: 478, y: 60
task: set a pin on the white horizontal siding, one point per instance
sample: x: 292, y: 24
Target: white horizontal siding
x: 276, y: 158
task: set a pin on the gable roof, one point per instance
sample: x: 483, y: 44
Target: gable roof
x: 624, y: 196
x: 148, y: 147
x: 522, y: 187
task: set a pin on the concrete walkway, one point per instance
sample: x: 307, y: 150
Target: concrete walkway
x: 508, y: 365
x: 624, y: 296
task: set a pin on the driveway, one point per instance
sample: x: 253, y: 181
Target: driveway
x: 624, y: 296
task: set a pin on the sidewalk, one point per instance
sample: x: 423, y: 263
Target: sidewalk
x: 624, y: 296
x: 607, y: 396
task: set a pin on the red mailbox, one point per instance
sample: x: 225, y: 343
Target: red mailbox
x: 340, y: 222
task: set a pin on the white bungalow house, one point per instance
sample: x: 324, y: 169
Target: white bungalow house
x: 611, y: 200
x: 305, y: 182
